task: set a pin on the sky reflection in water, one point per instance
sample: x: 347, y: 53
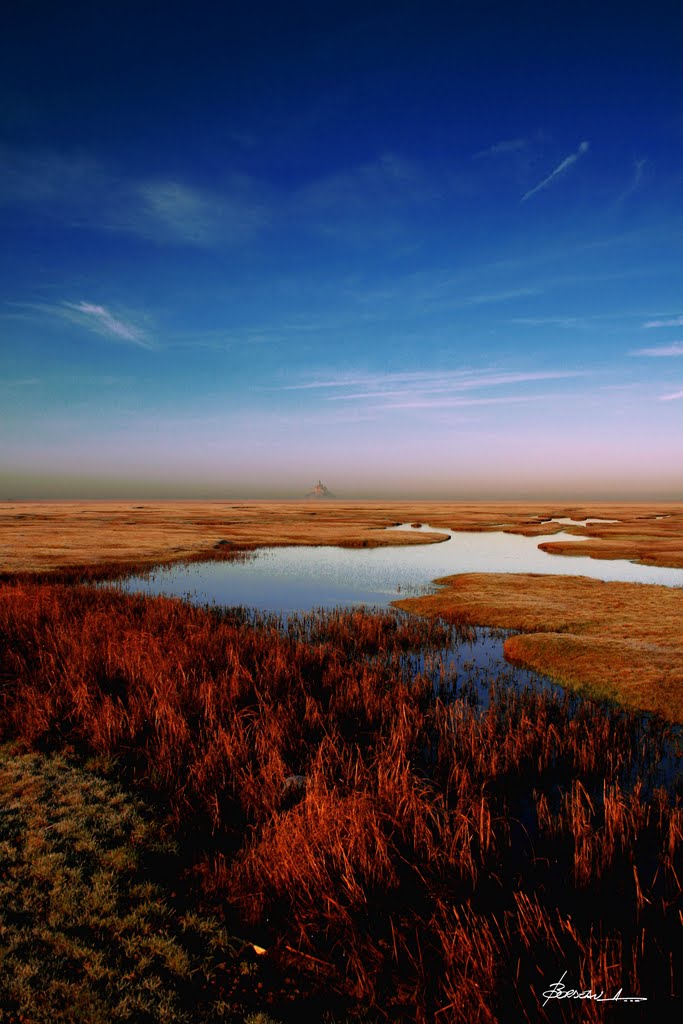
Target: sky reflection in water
x: 284, y: 581
x: 298, y: 578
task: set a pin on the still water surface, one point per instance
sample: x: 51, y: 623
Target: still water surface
x: 289, y: 580
x: 564, y: 521
x: 297, y: 578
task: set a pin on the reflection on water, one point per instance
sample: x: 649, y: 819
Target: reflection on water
x: 288, y: 580
x: 475, y: 671
x: 298, y: 578
x: 466, y: 665
x: 579, y: 522
x: 469, y: 666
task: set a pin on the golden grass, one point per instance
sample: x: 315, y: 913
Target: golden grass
x: 621, y: 640
x: 641, y: 539
x: 47, y: 536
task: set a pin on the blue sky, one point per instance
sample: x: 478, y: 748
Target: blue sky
x: 413, y: 249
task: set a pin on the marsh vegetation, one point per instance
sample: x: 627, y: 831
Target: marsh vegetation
x: 398, y: 849
x: 51, y: 537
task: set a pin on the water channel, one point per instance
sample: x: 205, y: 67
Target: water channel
x: 289, y: 582
x: 283, y: 580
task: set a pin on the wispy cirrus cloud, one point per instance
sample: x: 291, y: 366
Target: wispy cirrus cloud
x: 674, y: 321
x: 21, y: 382
x: 550, y: 321
x: 370, y: 200
x: 433, y: 402
x: 563, y: 166
x: 635, y: 183
x: 389, y: 177
x: 170, y: 211
x: 91, y: 316
x: 422, y: 389
x: 82, y: 192
x: 673, y: 397
x: 501, y: 296
x: 674, y: 349
x: 501, y: 148
x: 468, y: 378
x: 100, y: 320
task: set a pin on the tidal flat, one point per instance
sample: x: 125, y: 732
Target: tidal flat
x: 319, y: 816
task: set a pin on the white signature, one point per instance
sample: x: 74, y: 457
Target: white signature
x: 558, y: 991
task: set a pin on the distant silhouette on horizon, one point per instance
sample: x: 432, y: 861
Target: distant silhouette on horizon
x: 320, y: 491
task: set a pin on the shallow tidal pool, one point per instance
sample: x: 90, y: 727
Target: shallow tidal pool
x: 283, y: 580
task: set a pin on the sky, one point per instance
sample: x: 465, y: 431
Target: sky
x: 413, y: 249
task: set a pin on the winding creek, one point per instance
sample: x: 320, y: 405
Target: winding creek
x: 288, y: 582
x: 282, y: 580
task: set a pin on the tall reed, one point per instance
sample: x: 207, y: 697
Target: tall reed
x: 422, y: 854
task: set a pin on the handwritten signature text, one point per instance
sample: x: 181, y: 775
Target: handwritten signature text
x: 558, y: 990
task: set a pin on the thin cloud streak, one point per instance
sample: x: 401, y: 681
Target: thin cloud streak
x: 81, y: 192
x: 674, y: 396
x: 89, y: 315
x: 453, y: 403
x: 20, y: 382
x: 103, y: 322
x: 638, y: 167
x: 501, y: 148
x: 676, y: 321
x: 560, y: 169
x: 425, y: 380
x: 550, y: 321
x: 661, y: 351
x: 501, y: 296
x: 94, y: 318
x: 169, y: 211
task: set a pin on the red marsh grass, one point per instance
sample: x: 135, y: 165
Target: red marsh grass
x: 418, y: 856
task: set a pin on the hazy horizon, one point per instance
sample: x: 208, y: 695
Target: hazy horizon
x: 65, y: 489
x: 418, y: 251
